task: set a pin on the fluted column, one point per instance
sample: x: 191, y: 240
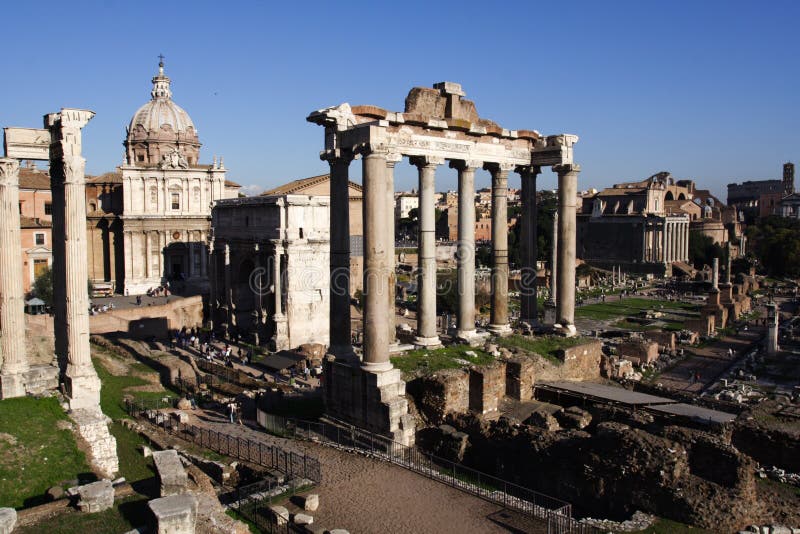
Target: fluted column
x: 465, y: 321
x: 70, y: 274
x: 213, y: 298
x: 499, y: 310
x: 567, y: 205
x: 148, y: 268
x: 339, y: 317
x: 391, y: 161
x: 12, y: 320
x: 376, y: 261
x: 277, y: 280
x: 230, y: 319
x: 529, y: 251
x: 426, y: 267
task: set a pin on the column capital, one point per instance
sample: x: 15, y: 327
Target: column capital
x: 426, y: 161
x: 528, y: 171
x: 567, y: 168
x: 498, y: 168
x: 392, y: 158
x: 372, y: 149
x: 465, y: 165
x: 74, y: 167
x: 337, y: 155
x: 9, y: 172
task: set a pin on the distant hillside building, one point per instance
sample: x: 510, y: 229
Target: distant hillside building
x: 630, y: 225
x: 760, y: 198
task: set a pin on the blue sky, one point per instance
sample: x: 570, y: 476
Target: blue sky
x: 705, y: 89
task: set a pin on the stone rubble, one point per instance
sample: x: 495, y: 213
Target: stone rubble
x: 175, y: 514
x: 8, y: 518
x: 95, y: 497
x: 639, y: 521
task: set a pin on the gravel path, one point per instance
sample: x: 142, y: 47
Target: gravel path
x: 363, y: 495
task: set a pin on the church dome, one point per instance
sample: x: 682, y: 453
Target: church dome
x: 160, y: 128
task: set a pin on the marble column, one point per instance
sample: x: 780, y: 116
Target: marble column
x: 230, y: 317
x: 12, y: 303
x: 148, y: 269
x: 213, y: 298
x: 277, y: 279
x: 426, y: 271
x: 715, y: 274
x: 729, y: 253
x: 70, y: 272
x: 686, y: 242
x: 339, y: 317
x: 391, y: 161
x: 567, y: 205
x: 498, y: 324
x: 465, y: 320
x: 550, y: 304
x: 529, y: 251
x: 376, y: 261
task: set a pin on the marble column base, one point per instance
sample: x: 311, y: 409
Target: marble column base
x: 471, y: 337
x: 565, y: 330
x: 501, y: 330
x: 427, y: 342
x: 550, y: 313
x: 12, y: 385
x: 82, y: 390
x: 370, y: 397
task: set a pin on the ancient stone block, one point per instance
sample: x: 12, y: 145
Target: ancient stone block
x: 573, y: 417
x: 442, y: 394
x: 8, y: 518
x: 638, y: 352
x: 41, y: 378
x: 171, y: 473
x: 487, y: 386
x: 303, y: 519
x: 665, y: 339
x: 582, y: 362
x: 309, y: 502
x: 175, y: 514
x: 543, y: 420
x: 279, y: 515
x: 96, y: 497
x: 519, y: 378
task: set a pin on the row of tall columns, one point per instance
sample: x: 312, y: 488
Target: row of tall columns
x: 567, y: 209
x: 426, y: 278
x: 12, y: 322
x: 676, y: 241
x: 70, y: 295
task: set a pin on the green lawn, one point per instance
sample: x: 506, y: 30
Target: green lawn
x: 546, y: 346
x: 113, y: 390
x: 124, y: 516
x: 425, y: 361
x: 612, y: 309
x: 42, y: 456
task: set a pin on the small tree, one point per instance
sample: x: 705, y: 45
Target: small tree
x: 43, y: 286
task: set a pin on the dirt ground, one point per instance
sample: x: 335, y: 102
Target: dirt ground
x: 366, y: 496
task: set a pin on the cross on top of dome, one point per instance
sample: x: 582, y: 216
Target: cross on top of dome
x: 161, y: 82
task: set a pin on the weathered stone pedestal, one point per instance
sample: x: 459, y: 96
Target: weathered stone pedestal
x: 176, y: 514
x: 713, y: 307
x: 92, y: 426
x: 550, y: 313
x: 96, y: 497
x: 373, y: 400
x: 8, y: 518
x: 171, y: 473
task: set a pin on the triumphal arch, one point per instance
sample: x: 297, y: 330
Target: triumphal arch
x: 438, y: 125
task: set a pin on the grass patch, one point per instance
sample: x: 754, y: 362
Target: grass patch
x: 43, y: 455
x: 423, y: 361
x: 545, y: 346
x: 113, y: 391
x: 628, y: 307
x: 779, y: 486
x: 132, y: 463
x: 124, y: 516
